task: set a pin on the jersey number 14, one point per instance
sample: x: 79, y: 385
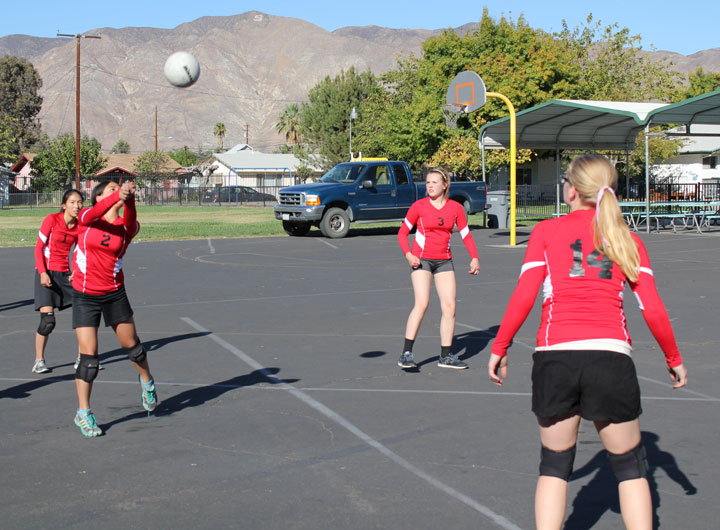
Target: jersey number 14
x: 594, y: 259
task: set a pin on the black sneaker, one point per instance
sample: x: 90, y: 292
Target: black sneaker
x: 451, y: 361
x: 407, y: 360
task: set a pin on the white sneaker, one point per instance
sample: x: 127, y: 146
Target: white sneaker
x: 40, y: 367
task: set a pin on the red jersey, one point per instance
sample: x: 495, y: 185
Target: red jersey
x: 582, y: 293
x: 55, y: 239
x: 97, y: 261
x: 434, y: 228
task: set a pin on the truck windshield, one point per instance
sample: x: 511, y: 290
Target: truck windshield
x: 344, y: 173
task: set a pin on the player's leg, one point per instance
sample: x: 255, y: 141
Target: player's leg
x: 623, y: 442
x: 447, y: 293
x: 421, y: 280
x: 127, y: 336
x: 558, y: 437
x: 45, y: 327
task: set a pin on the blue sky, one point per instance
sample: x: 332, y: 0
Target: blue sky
x: 682, y: 28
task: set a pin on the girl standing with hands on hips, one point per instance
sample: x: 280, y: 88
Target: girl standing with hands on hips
x: 98, y: 281
x: 582, y: 365
x: 435, y: 217
x: 57, y: 235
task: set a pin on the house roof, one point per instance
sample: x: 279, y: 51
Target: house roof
x: 24, y: 159
x: 126, y: 162
x: 247, y: 160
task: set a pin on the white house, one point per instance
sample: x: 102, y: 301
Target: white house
x: 697, y: 160
x: 244, y: 166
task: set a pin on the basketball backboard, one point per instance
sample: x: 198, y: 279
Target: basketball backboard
x: 468, y: 90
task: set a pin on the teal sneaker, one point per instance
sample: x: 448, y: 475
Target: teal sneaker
x: 88, y: 424
x: 149, y: 395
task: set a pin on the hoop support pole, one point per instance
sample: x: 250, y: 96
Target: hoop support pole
x: 513, y: 164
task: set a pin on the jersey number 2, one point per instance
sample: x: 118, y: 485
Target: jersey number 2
x: 594, y: 259
x: 106, y: 240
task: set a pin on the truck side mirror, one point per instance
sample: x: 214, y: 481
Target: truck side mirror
x: 367, y: 184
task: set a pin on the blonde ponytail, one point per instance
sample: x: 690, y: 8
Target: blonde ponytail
x: 594, y: 178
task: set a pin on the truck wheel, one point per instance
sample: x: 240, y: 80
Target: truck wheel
x: 335, y: 223
x: 296, y: 229
x: 466, y: 208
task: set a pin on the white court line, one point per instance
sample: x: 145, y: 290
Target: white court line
x: 327, y: 243
x: 337, y: 418
x: 210, y: 245
x: 331, y: 389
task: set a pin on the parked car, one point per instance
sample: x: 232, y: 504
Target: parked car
x: 232, y: 194
x: 362, y: 192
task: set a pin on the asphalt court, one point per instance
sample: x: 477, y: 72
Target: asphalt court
x: 282, y: 404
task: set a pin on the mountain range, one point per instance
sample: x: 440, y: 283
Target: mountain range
x: 251, y: 66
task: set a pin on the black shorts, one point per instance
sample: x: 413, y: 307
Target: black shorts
x: 59, y: 295
x: 435, y: 265
x: 597, y: 385
x: 114, y: 307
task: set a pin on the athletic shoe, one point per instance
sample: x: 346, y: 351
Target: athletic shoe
x: 149, y: 396
x: 40, y: 367
x: 77, y: 363
x: 88, y: 425
x: 451, y: 361
x: 407, y: 360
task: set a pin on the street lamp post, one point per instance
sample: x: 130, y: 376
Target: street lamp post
x: 353, y: 116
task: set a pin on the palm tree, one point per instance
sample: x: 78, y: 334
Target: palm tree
x: 289, y: 123
x: 219, y: 131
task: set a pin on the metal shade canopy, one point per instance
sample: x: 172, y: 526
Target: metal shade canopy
x: 703, y: 109
x: 572, y: 124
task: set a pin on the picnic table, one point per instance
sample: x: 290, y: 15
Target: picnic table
x: 692, y: 214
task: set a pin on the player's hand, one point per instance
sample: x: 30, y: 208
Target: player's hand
x: 474, y: 266
x: 497, y: 368
x: 45, y: 279
x: 123, y: 191
x: 678, y: 375
x: 413, y: 260
x: 132, y: 188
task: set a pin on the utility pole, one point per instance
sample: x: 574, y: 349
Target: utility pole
x: 247, y: 134
x: 77, y: 37
x: 156, y: 128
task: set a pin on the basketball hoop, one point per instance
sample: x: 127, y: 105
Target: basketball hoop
x: 451, y: 113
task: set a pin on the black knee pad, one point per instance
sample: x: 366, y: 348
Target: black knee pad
x: 87, y: 369
x: 557, y: 463
x: 630, y: 465
x: 137, y: 353
x: 47, y: 324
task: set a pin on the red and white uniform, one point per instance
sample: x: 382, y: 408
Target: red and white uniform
x: 582, y: 293
x: 434, y: 228
x: 55, y: 239
x: 97, y: 261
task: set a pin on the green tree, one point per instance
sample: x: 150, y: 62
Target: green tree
x: 612, y: 66
x: 701, y: 83
x: 184, y: 157
x: 120, y: 147
x: 289, y: 124
x: 460, y: 153
x: 151, y: 167
x: 54, y: 165
x: 8, y: 141
x: 528, y: 66
x: 219, y: 130
x: 325, y: 119
x: 19, y: 99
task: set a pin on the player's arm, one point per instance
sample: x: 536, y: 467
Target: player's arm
x: 467, y: 239
x: 43, y: 238
x: 132, y: 227
x: 522, y: 300
x: 89, y: 215
x: 653, y: 309
x: 410, y: 220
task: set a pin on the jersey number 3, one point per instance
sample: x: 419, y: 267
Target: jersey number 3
x: 594, y: 259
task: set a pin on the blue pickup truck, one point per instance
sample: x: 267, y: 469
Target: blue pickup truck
x: 362, y: 192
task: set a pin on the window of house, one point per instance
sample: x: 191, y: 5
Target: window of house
x: 523, y: 176
x: 709, y: 162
